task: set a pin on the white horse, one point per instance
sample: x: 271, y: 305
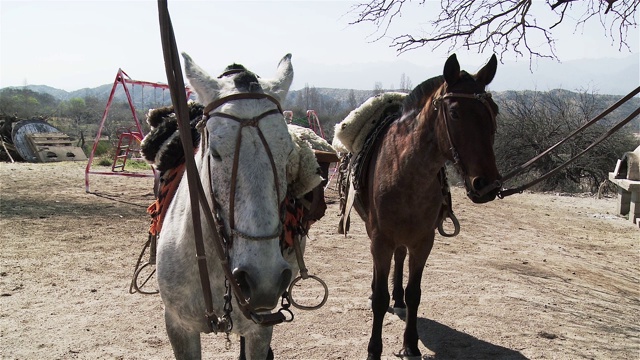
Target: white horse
x: 252, y: 225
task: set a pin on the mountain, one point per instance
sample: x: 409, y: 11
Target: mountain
x: 614, y: 76
x: 56, y: 93
x: 142, y: 97
x: 341, y: 96
x: 602, y: 76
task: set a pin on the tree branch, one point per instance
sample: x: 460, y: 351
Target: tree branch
x: 500, y: 25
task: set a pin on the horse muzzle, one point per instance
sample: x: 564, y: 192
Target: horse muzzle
x: 260, y: 292
x: 481, y: 191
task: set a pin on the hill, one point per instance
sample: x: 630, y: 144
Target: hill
x: 615, y: 76
x: 331, y: 104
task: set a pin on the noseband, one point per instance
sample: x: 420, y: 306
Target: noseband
x: 484, y: 98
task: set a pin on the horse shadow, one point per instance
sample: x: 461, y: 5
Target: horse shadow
x: 448, y: 343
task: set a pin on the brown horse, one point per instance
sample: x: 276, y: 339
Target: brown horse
x: 401, y: 197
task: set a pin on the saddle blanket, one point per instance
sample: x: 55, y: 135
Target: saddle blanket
x: 351, y: 133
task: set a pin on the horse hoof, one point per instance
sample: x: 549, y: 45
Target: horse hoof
x: 406, y: 357
x: 400, y: 312
x: 407, y: 354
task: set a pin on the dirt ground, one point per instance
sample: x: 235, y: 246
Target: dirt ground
x: 533, y: 276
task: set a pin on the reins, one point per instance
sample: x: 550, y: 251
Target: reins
x: 178, y: 98
x: 518, y: 190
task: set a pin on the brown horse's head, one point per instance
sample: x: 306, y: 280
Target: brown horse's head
x: 466, y: 127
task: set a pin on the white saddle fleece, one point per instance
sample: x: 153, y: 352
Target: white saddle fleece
x: 351, y: 133
x: 302, y: 167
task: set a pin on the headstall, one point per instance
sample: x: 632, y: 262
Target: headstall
x: 484, y: 98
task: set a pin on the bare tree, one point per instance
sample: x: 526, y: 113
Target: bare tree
x: 405, y: 83
x: 377, y: 88
x: 351, y: 100
x: 502, y: 25
x: 530, y: 122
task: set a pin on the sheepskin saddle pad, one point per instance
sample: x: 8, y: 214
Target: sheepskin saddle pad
x: 303, y: 170
x: 352, y: 132
x: 162, y: 146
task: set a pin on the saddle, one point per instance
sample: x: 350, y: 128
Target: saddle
x: 353, y: 168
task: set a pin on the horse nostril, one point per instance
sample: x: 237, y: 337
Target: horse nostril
x: 479, y: 183
x: 285, y: 280
x: 244, y: 281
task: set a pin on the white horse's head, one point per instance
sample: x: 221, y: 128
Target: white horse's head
x: 250, y: 134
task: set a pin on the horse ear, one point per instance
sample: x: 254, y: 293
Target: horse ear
x: 204, y: 85
x: 486, y: 74
x: 284, y: 77
x: 451, y: 69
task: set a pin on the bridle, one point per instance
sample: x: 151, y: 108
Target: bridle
x: 484, y: 98
x: 222, y: 240
x: 245, y: 122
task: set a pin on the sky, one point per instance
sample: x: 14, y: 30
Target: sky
x: 72, y: 45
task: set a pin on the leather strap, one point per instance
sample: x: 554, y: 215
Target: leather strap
x: 253, y: 122
x: 522, y: 167
x: 507, y: 192
x: 198, y: 196
x: 240, y: 96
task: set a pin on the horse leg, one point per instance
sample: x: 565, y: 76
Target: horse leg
x: 257, y: 345
x: 417, y: 260
x: 399, y: 306
x: 382, y: 254
x: 185, y: 344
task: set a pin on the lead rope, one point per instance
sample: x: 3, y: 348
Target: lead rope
x: 507, y: 192
x: 196, y: 191
x: 522, y: 167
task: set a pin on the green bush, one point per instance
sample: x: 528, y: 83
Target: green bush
x: 104, y: 161
x: 104, y: 148
x: 134, y: 164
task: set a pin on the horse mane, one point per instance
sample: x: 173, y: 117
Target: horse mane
x: 419, y: 95
x: 244, y: 79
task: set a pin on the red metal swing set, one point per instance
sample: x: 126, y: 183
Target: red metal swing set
x: 129, y: 140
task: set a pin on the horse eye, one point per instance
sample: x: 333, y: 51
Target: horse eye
x: 454, y: 114
x: 214, y: 153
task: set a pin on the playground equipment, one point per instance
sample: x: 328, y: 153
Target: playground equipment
x: 129, y: 139
x: 312, y: 121
x: 128, y: 148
